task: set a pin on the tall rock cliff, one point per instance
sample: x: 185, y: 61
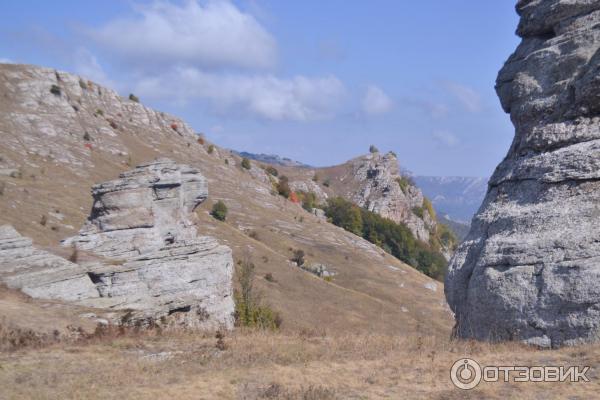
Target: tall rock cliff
x: 530, y: 266
x: 374, y: 181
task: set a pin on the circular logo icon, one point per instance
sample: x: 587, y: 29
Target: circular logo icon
x: 465, y: 373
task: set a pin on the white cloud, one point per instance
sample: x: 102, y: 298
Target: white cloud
x: 215, y: 34
x: 87, y: 65
x: 299, y: 98
x: 375, y: 101
x: 445, y: 138
x: 469, y: 98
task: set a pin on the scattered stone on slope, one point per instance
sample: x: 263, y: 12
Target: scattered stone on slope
x: 161, y: 267
x: 530, y: 266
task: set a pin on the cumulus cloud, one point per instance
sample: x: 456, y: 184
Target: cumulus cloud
x: 445, y: 138
x: 469, y: 98
x: 375, y: 101
x: 299, y: 98
x: 211, y: 35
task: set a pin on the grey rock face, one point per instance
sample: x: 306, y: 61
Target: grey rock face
x: 379, y: 191
x: 156, y: 264
x: 38, y: 273
x: 530, y: 266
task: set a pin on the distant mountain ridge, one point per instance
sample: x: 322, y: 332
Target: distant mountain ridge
x: 459, y: 197
x: 272, y: 159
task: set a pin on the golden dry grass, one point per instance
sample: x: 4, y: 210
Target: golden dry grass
x: 266, y: 365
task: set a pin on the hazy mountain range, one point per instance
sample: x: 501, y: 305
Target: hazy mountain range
x: 459, y: 197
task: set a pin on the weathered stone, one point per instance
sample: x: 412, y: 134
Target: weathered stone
x: 156, y: 264
x: 529, y: 268
x: 377, y: 188
x: 38, y: 273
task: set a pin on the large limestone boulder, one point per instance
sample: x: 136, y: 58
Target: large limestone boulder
x: 154, y: 262
x: 38, y: 273
x: 530, y: 267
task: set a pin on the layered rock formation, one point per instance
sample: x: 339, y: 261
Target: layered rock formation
x: 373, y: 181
x: 529, y: 267
x: 156, y: 264
x: 150, y: 260
x: 38, y: 273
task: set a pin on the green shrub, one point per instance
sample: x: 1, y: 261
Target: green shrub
x: 83, y: 85
x: 246, y: 163
x: 404, y: 182
x: 373, y: 149
x: 418, y: 211
x: 211, y: 149
x: 271, y: 170
x: 308, y: 200
x: 394, y: 238
x: 429, y: 207
x: 283, y: 186
x: 345, y: 214
x: 219, y: 211
x: 315, y: 178
x: 55, y: 90
x: 87, y: 137
x: 327, y: 183
x: 134, y: 98
x: 249, y: 311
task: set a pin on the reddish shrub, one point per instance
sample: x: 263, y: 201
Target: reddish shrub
x: 88, y: 146
x: 174, y: 126
x: 294, y: 198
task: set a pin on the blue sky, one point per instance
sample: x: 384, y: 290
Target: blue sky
x: 311, y: 80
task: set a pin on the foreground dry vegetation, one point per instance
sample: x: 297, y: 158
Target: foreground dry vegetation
x: 268, y: 365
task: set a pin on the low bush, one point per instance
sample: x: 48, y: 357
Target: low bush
x: 373, y: 149
x: 249, y: 310
x: 246, y: 163
x: 211, y: 149
x: 219, y: 210
x: 308, y: 200
x: 134, y: 98
x: 55, y: 90
x: 271, y: 170
x: 283, y: 187
x: 405, y: 182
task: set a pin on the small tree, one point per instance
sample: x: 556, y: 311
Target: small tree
x: 283, y: 187
x: 298, y: 257
x: 55, y: 90
x: 373, y: 149
x: 134, y: 98
x: 219, y: 211
x: 246, y: 163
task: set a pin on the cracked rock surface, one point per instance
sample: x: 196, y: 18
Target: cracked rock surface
x: 143, y: 223
x: 530, y: 266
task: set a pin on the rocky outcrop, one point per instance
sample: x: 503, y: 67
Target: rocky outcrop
x: 38, y: 273
x: 379, y: 187
x: 529, y: 268
x: 156, y: 264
